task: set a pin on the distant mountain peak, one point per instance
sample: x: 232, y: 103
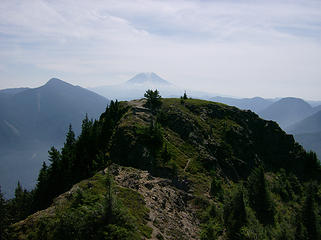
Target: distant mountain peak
x: 55, y: 82
x: 292, y: 100
x: 148, y: 78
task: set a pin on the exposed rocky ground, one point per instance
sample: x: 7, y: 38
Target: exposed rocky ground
x: 171, y: 215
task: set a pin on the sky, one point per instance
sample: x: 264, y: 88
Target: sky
x: 242, y: 48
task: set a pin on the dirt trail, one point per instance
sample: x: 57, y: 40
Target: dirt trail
x: 187, y: 164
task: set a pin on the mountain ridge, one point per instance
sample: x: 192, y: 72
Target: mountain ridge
x: 191, y: 158
x: 287, y: 111
x: 34, y: 119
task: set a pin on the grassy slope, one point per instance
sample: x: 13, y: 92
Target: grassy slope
x: 84, y: 200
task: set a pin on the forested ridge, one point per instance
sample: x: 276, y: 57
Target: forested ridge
x: 245, y: 178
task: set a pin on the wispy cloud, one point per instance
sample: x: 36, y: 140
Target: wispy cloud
x: 245, y: 48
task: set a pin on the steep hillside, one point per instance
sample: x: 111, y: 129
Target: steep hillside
x: 207, y: 171
x: 218, y: 136
x: 311, y: 124
x: 310, y: 141
x: 32, y: 120
x: 152, y: 207
x: 287, y: 111
x: 308, y: 132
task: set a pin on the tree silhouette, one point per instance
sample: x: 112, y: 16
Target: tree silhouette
x: 41, y: 192
x: 185, y: 96
x: 154, y: 100
x: 4, y: 220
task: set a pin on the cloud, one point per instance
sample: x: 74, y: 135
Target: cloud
x: 243, y: 48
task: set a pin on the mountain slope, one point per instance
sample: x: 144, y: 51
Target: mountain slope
x: 308, y: 132
x: 133, y: 190
x: 34, y: 119
x: 255, y: 104
x: 215, y: 132
x: 147, y: 79
x: 205, y: 165
x: 310, y: 141
x: 311, y: 124
x: 287, y: 111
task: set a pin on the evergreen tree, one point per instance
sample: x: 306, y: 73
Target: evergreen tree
x: 68, y: 158
x: 235, y: 216
x: 312, y: 166
x: 309, y: 216
x: 84, y: 159
x: 85, y: 126
x: 4, y: 218
x: 154, y: 100
x: 300, y: 230
x: 185, y: 96
x: 21, y: 205
x: 41, y: 192
x: 155, y: 135
x: 18, y: 193
x: 165, y: 155
x: 260, y: 197
x: 108, y: 120
x: 70, y: 138
x: 18, y: 202
x: 55, y: 178
x: 216, y: 189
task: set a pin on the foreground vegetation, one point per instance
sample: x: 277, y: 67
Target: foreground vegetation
x: 248, y: 178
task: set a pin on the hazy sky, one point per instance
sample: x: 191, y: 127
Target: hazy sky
x: 238, y: 47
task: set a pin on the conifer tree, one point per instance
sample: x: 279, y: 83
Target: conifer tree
x: 108, y: 211
x: 70, y: 138
x: 18, y: 191
x: 312, y: 166
x: 84, y: 157
x: 68, y: 158
x: 235, y: 216
x: 185, y: 96
x: 166, y: 156
x: 20, y: 206
x: 18, y: 202
x: 154, y: 100
x: 4, y: 218
x: 309, y: 216
x: 41, y: 192
x: 216, y: 189
x: 260, y: 197
x: 55, y: 181
x: 109, y: 120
